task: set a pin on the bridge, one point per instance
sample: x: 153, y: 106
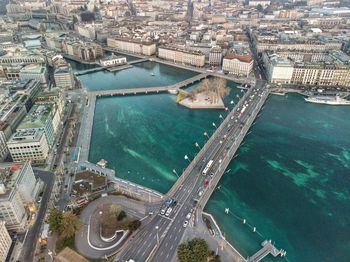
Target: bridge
x: 267, y: 248
x: 87, y: 71
x: 149, y: 90
x: 158, y: 240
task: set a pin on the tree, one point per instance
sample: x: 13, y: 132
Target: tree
x: 55, y: 219
x: 115, y: 209
x: 135, y: 224
x: 121, y: 215
x: 195, y: 250
x: 70, y: 224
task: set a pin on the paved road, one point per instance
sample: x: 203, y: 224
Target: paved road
x: 33, y: 233
x: 170, y: 229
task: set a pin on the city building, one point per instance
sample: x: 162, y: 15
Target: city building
x: 182, y: 56
x: 18, y: 191
x: 215, y: 56
x: 330, y: 68
x: 29, y: 144
x: 113, y: 60
x: 256, y: 3
x: 5, y: 241
x: 44, y: 117
x: 87, y: 182
x: 84, y: 51
x: 34, y: 71
x: 64, y: 77
x: 238, y: 65
x: 132, y: 46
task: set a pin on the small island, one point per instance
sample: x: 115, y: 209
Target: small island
x: 208, y: 95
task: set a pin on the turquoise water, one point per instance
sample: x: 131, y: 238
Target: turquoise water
x: 290, y: 179
x: 137, y: 76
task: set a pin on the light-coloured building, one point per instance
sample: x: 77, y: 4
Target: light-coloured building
x: 18, y: 191
x: 113, y: 60
x: 28, y: 144
x: 64, y: 77
x: 256, y: 3
x: 132, y: 46
x: 5, y: 241
x: 326, y: 69
x: 34, y: 71
x: 278, y: 69
x: 238, y: 65
x: 215, y: 56
x: 85, y: 51
x: 182, y: 56
x: 44, y: 117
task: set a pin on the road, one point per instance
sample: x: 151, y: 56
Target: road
x: 159, y: 239
x: 31, y: 239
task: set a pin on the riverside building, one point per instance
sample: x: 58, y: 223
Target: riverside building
x: 330, y: 68
x: 182, y: 56
x: 132, y: 45
x: 238, y: 65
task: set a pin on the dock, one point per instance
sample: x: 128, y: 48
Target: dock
x: 267, y: 248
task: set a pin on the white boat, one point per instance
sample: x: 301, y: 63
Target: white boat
x: 152, y: 74
x: 278, y: 93
x: 173, y: 91
x: 328, y: 100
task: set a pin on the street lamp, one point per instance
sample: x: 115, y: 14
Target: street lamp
x: 157, y: 227
x: 206, y: 134
x: 197, y: 145
x: 214, y: 125
x: 186, y: 157
x: 174, y: 171
x: 221, y: 117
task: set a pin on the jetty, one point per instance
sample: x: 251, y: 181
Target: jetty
x: 267, y: 248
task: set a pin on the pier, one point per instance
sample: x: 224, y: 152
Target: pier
x: 267, y: 248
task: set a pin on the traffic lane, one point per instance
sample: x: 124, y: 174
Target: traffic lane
x: 143, y: 242
x: 33, y: 233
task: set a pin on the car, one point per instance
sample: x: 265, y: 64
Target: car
x: 162, y: 211
x: 200, y: 193
x: 185, y: 223
x: 188, y: 216
x: 39, y: 200
x: 168, y: 211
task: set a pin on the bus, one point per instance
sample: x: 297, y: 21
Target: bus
x: 207, y: 167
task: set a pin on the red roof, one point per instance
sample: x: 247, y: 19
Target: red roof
x: 242, y: 58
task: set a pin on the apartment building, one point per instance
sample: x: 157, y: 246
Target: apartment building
x: 64, y: 77
x: 5, y: 241
x: 34, y: 71
x: 132, y: 46
x: 85, y: 51
x: 18, y: 191
x: 327, y: 69
x: 238, y: 65
x: 28, y: 145
x: 215, y: 56
x: 182, y: 56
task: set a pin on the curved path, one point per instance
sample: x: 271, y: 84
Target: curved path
x: 88, y: 241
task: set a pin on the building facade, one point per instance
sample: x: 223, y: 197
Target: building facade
x: 29, y: 145
x: 176, y: 55
x: 113, y: 60
x: 215, y: 56
x: 238, y: 65
x: 132, y: 46
x: 5, y: 241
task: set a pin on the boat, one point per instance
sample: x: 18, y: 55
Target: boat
x: 278, y: 93
x: 152, y: 74
x: 328, y: 100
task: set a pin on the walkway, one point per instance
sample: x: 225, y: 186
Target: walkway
x: 149, y: 90
x: 267, y: 248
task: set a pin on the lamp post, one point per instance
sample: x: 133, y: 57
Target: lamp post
x: 206, y: 134
x: 197, y: 145
x: 186, y: 158
x: 157, y: 227
x: 221, y: 117
x: 214, y: 125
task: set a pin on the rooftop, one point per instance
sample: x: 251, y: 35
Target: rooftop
x: 37, y: 117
